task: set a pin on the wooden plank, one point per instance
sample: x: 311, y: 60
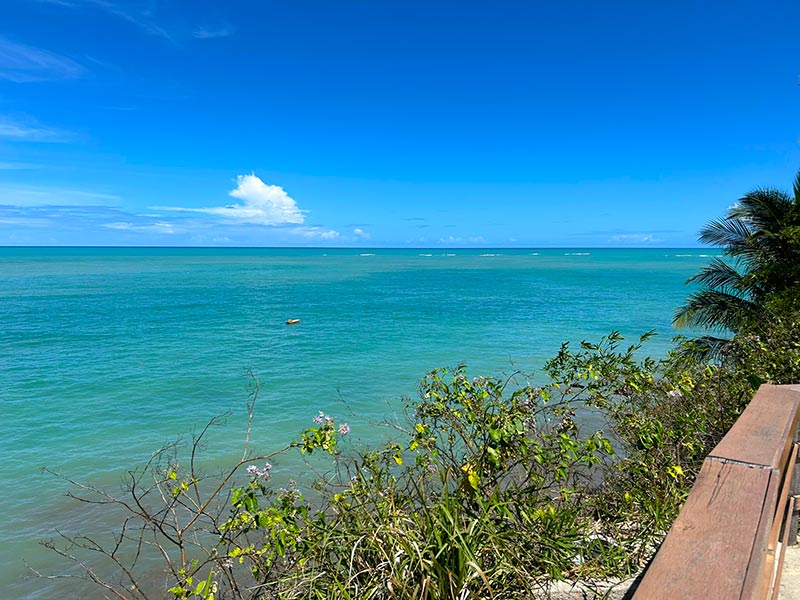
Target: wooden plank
x: 787, y: 531
x: 786, y: 484
x: 765, y: 544
x: 709, y: 549
x: 795, y: 487
x: 759, y: 571
x: 764, y: 432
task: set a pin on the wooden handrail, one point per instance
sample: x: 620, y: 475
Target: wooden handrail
x: 728, y: 540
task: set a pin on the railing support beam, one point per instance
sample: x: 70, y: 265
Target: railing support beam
x: 729, y: 538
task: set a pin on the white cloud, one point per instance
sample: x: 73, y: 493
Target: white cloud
x: 207, y: 33
x: 138, y: 12
x: 52, y: 196
x: 360, y: 233
x: 316, y: 233
x: 84, y: 216
x: 66, y: 3
x: 157, y: 227
x: 28, y: 130
x: 150, y: 16
x: 25, y: 64
x: 25, y: 222
x: 477, y: 239
x: 633, y: 238
x: 268, y: 202
x: 263, y: 204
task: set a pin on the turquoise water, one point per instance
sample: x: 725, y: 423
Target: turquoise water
x: 105, y: 354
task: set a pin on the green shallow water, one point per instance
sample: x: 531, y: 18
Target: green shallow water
x: 107, y: 353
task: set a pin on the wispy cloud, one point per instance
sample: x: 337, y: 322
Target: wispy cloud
x: 96, y: 224
x: 266, y: 215
x: 24, y: 221
x: 28, y: 196
x: 18, y: 166
x: 157, y: 227
x: 263, y: 204
x: 137, y: 12
x: 26, y: 129
x: 207, y: 33
x: 25, y: 64
x: 361, y: 234
x: 313, y: 232
x: 635, y: 238
x: 475, y: 239
x: 153, y: 17
x: 68, y: 3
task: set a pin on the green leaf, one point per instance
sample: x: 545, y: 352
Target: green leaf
x: 494, y: 456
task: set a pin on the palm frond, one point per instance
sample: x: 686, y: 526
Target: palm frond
x: 761, y: 233
x: 719, y: 274
x: 764, y: 210
x: 730, y: 232
x: 796, y: 188
x: 714, y: 309
x: 705, y: 348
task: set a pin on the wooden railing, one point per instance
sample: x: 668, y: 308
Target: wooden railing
x: 729, y: 538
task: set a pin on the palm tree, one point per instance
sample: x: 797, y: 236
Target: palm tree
x: 760, y: 236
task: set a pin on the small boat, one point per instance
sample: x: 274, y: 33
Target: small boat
x: 292, y: 321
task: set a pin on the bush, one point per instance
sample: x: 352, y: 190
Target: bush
x: 488, y: 487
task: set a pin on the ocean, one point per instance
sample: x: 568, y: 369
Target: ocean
x: 108, y: 353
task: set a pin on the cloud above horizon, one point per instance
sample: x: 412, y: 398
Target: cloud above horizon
x: 18, y: 166
x: 263, y: 204
x: 635, y: 238
x: 21, y: 196
x: 157, y: 227
x: 264, y: 215
x: 475, y: 239
x: 26, y: 64
x: 30, y: 222
x: 26, y: 129
x: 316, y: 233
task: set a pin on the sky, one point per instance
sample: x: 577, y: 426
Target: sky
x: 370, y: 123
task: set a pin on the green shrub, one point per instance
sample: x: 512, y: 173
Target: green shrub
x: 487, y: 487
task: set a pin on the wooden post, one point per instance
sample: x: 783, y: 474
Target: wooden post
x: 795, y: 490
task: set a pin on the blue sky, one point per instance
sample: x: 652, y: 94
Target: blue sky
x: 376, y: 123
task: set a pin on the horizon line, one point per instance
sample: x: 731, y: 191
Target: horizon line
x: 188, y: 247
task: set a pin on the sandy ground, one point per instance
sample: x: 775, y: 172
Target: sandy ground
x: 790, y: 579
